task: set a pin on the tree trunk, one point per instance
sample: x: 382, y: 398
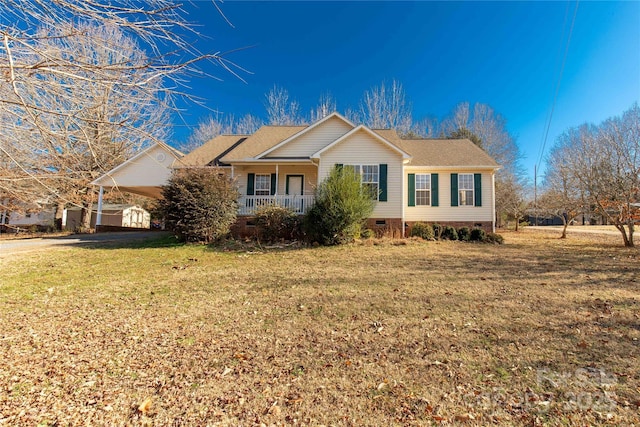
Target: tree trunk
x: 57, y: 222
x: 625, y: 238
x: 564, y: 229
x: 85, y: 216
x: 631, y: 230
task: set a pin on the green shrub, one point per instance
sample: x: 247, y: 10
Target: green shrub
x: 464, y: 234
x: 199, y: 205
x: 449, y: 233
x: 367, y: 233
x: 276, y: 223
x: 420, y: 229
x: 437, y: 231
x: 478, y: 235
x: 341, y: 207
x: 494, y: 238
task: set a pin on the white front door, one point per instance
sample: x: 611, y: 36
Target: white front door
x: 295, y: 185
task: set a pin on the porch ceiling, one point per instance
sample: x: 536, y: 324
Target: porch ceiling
x: 151, y: 192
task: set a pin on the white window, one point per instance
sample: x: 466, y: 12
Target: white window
x: 370, y: 178
x: 263, y: 185
x: 423, y: 189
x: 465, y: 189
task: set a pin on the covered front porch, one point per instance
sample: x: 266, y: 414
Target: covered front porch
x: 299, y: 204
x: 287, y: 185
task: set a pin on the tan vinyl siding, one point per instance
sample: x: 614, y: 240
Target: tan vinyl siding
x: 310, y: 173
x: 361, y: 148
x: 314, y: 140
x: 446, y: 212
x: 151, y: 168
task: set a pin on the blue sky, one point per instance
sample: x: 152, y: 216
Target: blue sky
x: 505, y: 54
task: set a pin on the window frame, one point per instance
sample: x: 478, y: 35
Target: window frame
x: 466, y: 192
x: 359, y: 170
x: 258, y: 179
x: 418, y: 190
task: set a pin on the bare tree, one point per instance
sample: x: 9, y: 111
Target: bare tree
x: 564, y: 195
x: 488, y: 129
x: 608, y: 167
x: 281, y: 110
x: 326, y: 105
x: 207, y: 129
x: 39, y: 68
x: 64, y: 126
x: 248, y: 124
x: 386, y: 107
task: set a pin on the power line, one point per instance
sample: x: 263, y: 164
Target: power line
x: 555, y: 97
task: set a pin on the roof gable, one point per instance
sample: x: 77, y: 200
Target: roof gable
x: 374, y: 135
x: 304, y: 140
x: 158, y: 157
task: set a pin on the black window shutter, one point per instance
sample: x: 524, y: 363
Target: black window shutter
x: 251, y: 180
x: 412, y: 189
x: 382, y: 183
x: 273, y: 183
x: 434, y: 190
x: 477, y: 189
x: 454, y: 189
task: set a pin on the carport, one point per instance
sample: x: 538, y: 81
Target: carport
x: 144, y: 174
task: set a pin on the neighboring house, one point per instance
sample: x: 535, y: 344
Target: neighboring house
x: 450, y: 182
x: 43, y: 218
x: 114, y: 215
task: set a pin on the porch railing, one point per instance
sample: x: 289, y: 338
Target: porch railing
x: 247, y: 205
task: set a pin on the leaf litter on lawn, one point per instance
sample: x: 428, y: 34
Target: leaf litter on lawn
x: 535, y: 332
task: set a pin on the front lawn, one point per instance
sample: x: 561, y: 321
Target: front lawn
x: 538, y: 331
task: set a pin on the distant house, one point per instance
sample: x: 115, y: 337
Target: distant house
x: 447, y: 181
x: 41, y: 218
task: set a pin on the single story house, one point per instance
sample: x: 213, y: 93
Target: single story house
x: 448, y: 181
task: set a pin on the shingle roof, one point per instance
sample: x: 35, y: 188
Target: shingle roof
x: 425, y: 152
x: 440, y: 152
x: 210, y: 152
x: 263, y: 139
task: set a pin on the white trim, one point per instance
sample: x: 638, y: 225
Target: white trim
x: 304, y: 131
x: 493, y: 202
x: 404, y: 155
x: 99, y: 213
x: 254, y: 162
x: 286, y: 182
x: 452, y: 168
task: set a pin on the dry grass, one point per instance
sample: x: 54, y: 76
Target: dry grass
x: 539, y: 331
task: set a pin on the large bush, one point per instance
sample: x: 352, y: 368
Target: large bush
x: 422, y: 230
x: 341, y: 207
x: 199, y: 205
x: 276, y: 222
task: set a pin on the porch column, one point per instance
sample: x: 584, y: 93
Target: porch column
x: 99, y: 213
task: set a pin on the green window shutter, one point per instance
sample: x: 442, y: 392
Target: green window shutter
x: 434, y: 190
x: 251, y: 182
x: 273, y: 183
x: 454, y: 189
x: 412, y: 189
x: 382, y: 183
x: 477, y: 189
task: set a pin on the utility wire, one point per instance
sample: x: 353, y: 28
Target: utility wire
x: 555, y: 97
